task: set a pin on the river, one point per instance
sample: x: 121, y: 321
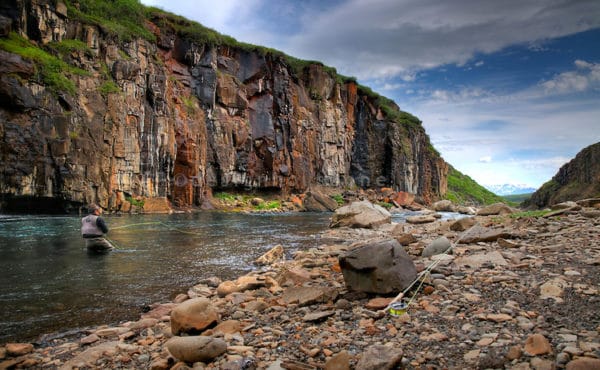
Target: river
x: 50, y: 284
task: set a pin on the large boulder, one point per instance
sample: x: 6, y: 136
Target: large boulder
x: 193, y: 316
x: 196, y: 348
x: 315, y: 201
x: 495, y: 209
x: 443, y: 206
x: 382, y: 267
x: 363, y: 214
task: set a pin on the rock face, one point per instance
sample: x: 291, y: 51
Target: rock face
x: 382, y: 268
x: 178, y: 118
x: 578, y: 179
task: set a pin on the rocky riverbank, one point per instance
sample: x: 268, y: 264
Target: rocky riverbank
x: 515, y: 292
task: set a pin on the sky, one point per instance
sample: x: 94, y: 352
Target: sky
x: 508, y: 91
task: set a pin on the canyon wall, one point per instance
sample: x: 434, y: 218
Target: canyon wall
x: 576, y: 180
x: 177, y: 119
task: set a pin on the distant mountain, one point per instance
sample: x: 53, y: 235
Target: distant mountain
x: 576, y: 180
x: 510, y: 189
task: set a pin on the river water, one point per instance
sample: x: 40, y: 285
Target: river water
x: 50, y: 284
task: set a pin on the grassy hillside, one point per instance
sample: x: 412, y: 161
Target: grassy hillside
x: 517, y: 198
x: 464, y: 190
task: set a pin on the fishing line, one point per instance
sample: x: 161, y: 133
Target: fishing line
x: 117, y: 246
x: 423, y: 275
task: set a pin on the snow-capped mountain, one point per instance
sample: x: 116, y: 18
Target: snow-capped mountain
x: 510, y: 189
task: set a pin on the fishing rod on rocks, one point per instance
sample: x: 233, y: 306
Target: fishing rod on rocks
x: 396, y: 307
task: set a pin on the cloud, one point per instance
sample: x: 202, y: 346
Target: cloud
x: 486, y: 159
x: 461, y: 95
x: 223, y: 16
x: 585, y: 77
x: 387, y: 38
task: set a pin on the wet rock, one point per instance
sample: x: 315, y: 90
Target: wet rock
x: 381, y: 267
x: 537, y: 344
x: 196, y: 348
x: 361, y: 214
x: 438, y: 246
x: 275, y: 254
x: 378, y: 357
x: 193, y: 316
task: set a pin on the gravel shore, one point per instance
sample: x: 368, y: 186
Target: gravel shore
x: 527, y: 296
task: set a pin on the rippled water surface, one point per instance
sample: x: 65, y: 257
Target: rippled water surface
x: 50, y: 283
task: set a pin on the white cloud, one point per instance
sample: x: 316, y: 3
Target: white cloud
x: 586, y: 76
x: 486, y: 159
x: 385, y: 38
x: 223, y: 16
x: 461, y: 95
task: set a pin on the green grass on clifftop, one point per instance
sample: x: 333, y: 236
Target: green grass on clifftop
x: 464, y: 190
x: 50, y: 70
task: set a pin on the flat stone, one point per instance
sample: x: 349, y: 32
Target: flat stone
x: 537, y: 344
x: 18, y: 349
x: 379, y: 357
x: 423, y: 219
x: 317, y: 316
x: 479, y: 259
x: 196, y: 348
x: 305, y: 296
x: 378, y: 303
x: 339, y: 361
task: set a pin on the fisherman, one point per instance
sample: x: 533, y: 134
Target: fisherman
x: 93, y: 229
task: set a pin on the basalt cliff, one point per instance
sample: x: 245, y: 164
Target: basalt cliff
x: 89, y: 112
x: 576, y: 180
